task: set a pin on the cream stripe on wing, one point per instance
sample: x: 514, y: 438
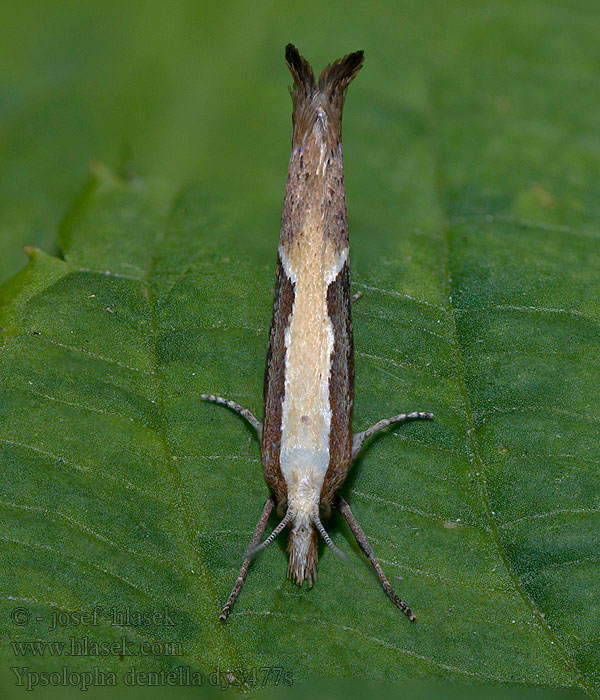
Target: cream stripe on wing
x: 309, y: 339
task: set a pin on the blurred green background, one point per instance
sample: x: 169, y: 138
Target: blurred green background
x: 196, y: 91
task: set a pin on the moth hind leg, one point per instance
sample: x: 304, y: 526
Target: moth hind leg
x: 256, y: 537
x: 359, y: 438
x: 244, y: 412
x: 363, y: 543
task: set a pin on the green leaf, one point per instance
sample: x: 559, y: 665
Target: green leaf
x: 472, y: 193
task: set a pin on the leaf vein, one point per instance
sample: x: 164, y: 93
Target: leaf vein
x: 554, y: 644
x: 93, y: 355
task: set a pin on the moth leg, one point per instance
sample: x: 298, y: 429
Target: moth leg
x: 366, y: 548
x: 250, y: 417
x: 256, y: 537
x: 359, y: 438
x: 356, y: 297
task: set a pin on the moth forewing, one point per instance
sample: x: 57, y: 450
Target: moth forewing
x: 306, y: 437
x: 310, y: 375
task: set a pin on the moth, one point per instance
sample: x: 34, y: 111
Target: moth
x: 307, y: 443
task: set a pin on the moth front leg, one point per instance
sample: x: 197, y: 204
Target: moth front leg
x: 359, y: 438
x: 244, y: 412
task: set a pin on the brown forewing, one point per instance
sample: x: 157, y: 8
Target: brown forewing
x: 314, y: 185
x: 341, y: 376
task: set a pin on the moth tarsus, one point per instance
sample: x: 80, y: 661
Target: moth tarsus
x: 250, y: 417
x: 307, y: 443
x: 359, y: 438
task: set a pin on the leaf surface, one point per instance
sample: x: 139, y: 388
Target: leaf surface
x: 473, y: 215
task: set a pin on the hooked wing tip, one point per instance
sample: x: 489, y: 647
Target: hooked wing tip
x: 292, y: 55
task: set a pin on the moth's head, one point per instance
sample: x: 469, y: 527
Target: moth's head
x: 304, y: 521
x: 303, y: 542
x: 302, y: 548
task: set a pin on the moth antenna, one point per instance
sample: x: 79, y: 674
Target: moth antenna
x: 253, y: 551
x: 319, y: 525
x: 258, y: 531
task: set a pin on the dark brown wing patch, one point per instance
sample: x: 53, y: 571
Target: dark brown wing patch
x: 341, y: 385
x: 274, y: 387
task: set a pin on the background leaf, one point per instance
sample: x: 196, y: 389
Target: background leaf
x: 472, y: 165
